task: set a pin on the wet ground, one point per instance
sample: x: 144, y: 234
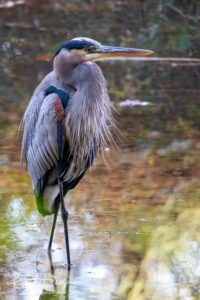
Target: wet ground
x: 135, y: 220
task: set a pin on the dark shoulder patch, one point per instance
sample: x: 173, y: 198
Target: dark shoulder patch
x: 64, y: 96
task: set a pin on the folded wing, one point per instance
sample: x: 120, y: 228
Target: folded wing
x: 43, y: 140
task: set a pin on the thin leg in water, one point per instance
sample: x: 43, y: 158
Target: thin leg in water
x: 57, y: 204
x: 64, y: 214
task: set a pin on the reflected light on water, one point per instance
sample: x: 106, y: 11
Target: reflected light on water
x: 30, y: 268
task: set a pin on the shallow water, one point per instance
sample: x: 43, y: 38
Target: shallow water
x: 134, y: 220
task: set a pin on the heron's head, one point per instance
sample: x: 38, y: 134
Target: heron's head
x: 85, y: 49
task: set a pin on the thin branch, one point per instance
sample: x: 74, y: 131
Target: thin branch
x: 170, y: 59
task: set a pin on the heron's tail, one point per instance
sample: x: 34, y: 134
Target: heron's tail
x: 40, y: 201
x: 45, y: 199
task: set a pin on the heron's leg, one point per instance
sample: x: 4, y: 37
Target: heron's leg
x: 64, y: 214
x: 57, y: 204
x: 65, y: 218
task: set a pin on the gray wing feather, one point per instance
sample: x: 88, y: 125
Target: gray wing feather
x: 40, y: 140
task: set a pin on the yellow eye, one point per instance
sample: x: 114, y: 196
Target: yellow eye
x: 87, y: 49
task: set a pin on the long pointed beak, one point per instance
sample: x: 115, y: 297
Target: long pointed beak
x: 109, y: 52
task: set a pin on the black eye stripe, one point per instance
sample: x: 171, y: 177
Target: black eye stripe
x: 76, y: 44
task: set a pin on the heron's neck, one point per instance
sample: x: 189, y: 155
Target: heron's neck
x: 64, y: 64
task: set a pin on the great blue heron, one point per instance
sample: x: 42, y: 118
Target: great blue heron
x: 66, y: 123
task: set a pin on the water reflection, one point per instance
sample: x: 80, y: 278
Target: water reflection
x: 28, y: 268
x: 107, y: 244
x: 57, y: 291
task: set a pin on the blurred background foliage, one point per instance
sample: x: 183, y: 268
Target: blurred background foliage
x: 30, y: 30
